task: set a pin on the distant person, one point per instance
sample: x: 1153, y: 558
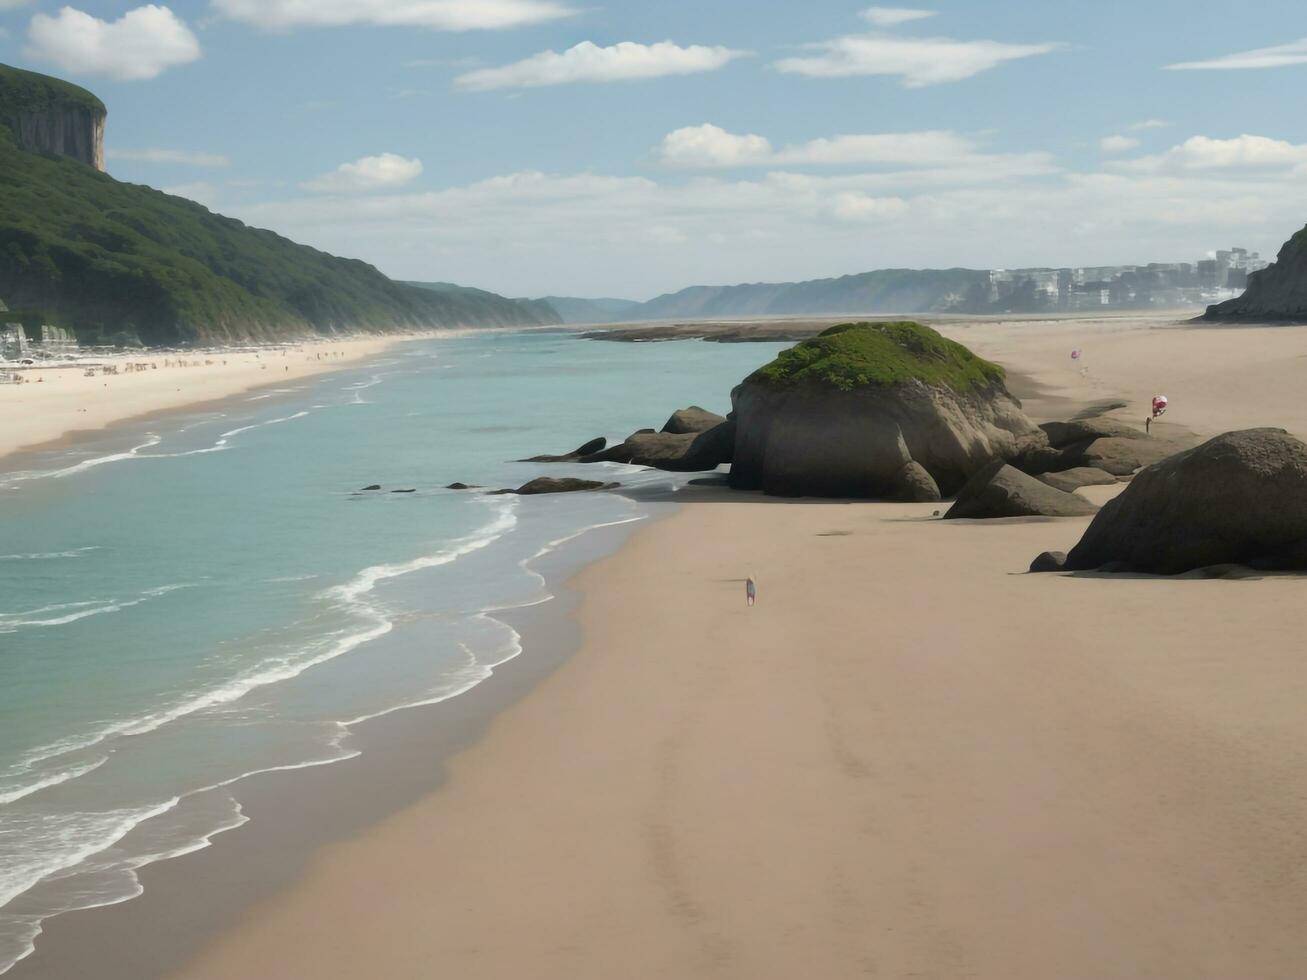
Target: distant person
x: 1148, y: 424
x: 750, y: 590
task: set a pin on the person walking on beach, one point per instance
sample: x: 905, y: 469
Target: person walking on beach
x: 750, y: 590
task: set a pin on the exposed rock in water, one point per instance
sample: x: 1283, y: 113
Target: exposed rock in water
x: 404, y: 491
x: 1000, y: 490
x: 1078, y: 476
x: 374, y: 486
x: 585, y: 449
x: 1240, y: 498
x: 549, y: 484
x: 692, y: 419
x: 683, y: 452
x: 1049, y: 561
x: 462, y: 486
x: 844, y: 414
x: 1276, y: 293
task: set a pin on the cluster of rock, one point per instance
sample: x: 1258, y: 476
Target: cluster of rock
x: 1238, y: 499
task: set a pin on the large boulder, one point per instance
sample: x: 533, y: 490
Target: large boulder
x: 843, y: 414
x: 1238, y: 498
x: 1000, y: 490
x: 692, y: 419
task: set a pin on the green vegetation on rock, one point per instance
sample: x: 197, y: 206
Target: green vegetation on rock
x: 856, y: 355
x: 112, y: 260
x: 28, y: 91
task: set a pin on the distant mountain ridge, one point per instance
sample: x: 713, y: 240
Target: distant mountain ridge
x: 121, y: 262
x: 574, y: 309
x: 881, y: 291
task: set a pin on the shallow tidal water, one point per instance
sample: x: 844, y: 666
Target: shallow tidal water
x: 192, y: 599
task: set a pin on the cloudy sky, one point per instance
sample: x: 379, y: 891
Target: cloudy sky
x: 627, y: 147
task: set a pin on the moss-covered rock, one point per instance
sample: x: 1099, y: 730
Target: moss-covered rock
x: 846, y: 413
x: 857, y: 355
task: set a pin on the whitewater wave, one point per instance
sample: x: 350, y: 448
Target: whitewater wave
x: 71, y: 612
x: 51, y: 555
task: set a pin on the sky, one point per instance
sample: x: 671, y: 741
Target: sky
x: 628, y: 148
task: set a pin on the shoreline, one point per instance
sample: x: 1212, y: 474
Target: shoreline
x: 402, y: 758
x: 320, y: 861
x: 898, y: 785
x: 52, y: 410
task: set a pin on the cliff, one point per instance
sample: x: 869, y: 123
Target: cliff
x: 1276, y: 293
x: 48, y: 115
x: 118, y: 262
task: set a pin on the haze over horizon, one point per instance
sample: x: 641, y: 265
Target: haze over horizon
x: 538, y: 146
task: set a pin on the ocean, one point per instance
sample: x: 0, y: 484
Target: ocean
x: 193, y: 599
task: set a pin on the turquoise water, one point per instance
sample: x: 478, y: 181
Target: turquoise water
x: 186, y: 602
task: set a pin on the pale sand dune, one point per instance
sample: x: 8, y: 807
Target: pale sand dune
x: 57, y: 401
x: 909, y: 759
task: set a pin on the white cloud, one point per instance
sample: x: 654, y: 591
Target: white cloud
x: 1293, y: 53
x: 443, y: 15
x: 1117, y: 144
x: 705, y: 146
x: 587, y: 62
x: 535, y: 233
x: 926, y: 157
x: 139, y: 45
x: 917, y: 61
x: 891, y: 16
x: 857, y: 206
x: 1148, y: 124
x: 187, y: 158
x: 1199, y: 153
x: 13, y: 4
x: 382, y: 172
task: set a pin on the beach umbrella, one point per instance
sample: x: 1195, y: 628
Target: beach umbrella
x: 1159, y: 405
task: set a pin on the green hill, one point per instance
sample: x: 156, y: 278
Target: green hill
x: 881, y: 291
x: 107, y: 259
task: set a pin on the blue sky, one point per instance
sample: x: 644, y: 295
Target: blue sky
x: 702, y: 142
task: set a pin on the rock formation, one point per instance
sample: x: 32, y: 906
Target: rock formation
x: 49, y: 115
x: 845, y: 413
x: 1239, y: 498
x: 585, y: 449
x: 1278, y: 292
x: 549, y: 484
x: 680, y: 452
x: 1000, y: 490
x: 692, y: 419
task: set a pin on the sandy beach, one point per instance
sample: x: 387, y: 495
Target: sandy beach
x: 58, y: 400
x: 910, y: 759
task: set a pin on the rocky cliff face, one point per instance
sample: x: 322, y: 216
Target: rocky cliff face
x: 70, y: 131
x: 1278, y: 292
x: 49, y: 115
